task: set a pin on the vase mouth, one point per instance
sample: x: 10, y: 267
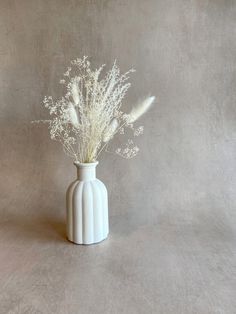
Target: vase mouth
x: 85, y: 164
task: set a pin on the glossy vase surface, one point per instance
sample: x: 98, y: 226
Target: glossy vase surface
x: 87, y: 207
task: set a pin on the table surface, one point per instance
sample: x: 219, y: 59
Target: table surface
x: 168, y: 266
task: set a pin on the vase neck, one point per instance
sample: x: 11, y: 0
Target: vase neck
x: 86, y: 171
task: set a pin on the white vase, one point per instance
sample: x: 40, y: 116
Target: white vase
x: 87, y: 207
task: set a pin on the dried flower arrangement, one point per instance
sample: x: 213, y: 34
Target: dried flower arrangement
x: 87, y: 118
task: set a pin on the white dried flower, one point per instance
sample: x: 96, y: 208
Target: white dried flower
x: 73, y: 117
x: 89, y: 114
x: 110, y: 131
x: 129, y: 151
x: 67, y: 73
x: 138, y: 131
x: 75, y: 92
x: 140, y: 109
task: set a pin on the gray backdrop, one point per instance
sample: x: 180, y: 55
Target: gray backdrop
x: 172, y: 208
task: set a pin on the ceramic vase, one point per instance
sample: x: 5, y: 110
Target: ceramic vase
x: 87, y: 207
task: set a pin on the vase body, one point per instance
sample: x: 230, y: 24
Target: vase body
x: 87, y: 207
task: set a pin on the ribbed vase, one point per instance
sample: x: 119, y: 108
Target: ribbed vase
x: 87, y: 207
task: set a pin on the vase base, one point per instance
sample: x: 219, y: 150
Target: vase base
x: 90, y: 243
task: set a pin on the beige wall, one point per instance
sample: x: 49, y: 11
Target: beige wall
x: 184, y: 53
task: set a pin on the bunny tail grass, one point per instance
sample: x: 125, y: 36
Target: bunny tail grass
x: 110, y: 131
x: 73, y: 115
x: 140, y: 109
x: 75, y: 93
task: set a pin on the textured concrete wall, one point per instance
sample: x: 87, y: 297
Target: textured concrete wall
x: 172, y: 208
x: 184, y: 53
